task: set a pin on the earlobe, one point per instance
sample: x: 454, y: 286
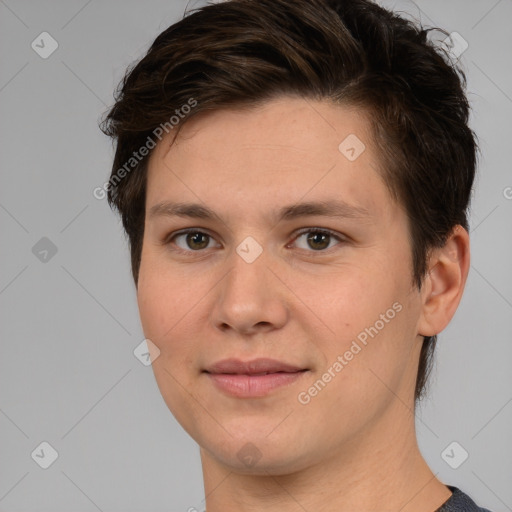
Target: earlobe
x: 444, y: 284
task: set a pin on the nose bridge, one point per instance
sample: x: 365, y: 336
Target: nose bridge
x: 248, y: 278
x: 248, y: 294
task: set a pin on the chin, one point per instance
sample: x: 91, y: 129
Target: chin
x: 257, y: 455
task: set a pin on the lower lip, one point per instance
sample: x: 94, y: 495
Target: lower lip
x: 251, y: 386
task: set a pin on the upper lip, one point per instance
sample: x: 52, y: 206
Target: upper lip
x: 255, y: 366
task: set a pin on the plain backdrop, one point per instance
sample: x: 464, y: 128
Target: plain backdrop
x: 69, y: 320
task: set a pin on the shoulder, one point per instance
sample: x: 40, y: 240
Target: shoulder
x: 460, y: 502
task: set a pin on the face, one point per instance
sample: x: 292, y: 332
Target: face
x: 318, y: 296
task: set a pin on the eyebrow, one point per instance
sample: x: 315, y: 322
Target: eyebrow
x: 332, y: 208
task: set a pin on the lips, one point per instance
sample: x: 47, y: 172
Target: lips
x: 252, y: 379
x: 260, y: 366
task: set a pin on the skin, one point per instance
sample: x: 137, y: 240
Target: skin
x: 353, y: 446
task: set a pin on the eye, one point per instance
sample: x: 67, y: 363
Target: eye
x: 318, y: 239
x: 193, y: 240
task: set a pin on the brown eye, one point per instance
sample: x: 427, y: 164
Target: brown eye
x: 316, y: 239
x: 190, y: 241
x: 197, y: 240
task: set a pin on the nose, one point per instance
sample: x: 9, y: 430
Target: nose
x: 251, y: 298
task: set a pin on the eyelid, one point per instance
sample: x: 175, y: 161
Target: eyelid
x: 297, y: 233
x: 169, y: 238
x: 327, y: 231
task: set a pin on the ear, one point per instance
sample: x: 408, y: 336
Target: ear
x: 444, y: 284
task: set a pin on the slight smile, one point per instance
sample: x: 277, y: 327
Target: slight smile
x: 252, y: 379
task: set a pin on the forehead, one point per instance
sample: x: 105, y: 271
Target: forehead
x: 283, y: 150
x: 285, y: 124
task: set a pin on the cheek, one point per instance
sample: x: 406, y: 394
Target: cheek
x: 369, y: 362
x: 370, y: 315
x: 163, y: 307
x: 155, y: 302
x: 164, y: 299
x: 349, y: 300
x: 172, y: 313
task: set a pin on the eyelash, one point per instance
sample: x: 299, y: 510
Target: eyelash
x: 169, y: 239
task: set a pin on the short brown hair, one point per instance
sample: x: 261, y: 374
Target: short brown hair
x: 352, y: 52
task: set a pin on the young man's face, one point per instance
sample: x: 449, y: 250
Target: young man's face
x: 341, y: 308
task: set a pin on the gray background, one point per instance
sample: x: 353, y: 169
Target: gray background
x: 69, y: 325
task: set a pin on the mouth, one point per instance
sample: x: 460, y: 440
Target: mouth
x: 252, y: 379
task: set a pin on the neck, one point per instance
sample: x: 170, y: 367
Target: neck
x: 378, y: 470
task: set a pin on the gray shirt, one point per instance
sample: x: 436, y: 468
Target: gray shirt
x: 460, y: 502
